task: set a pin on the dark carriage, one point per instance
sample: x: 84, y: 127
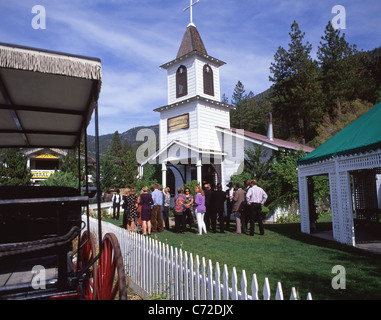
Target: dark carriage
x: 46, y: 248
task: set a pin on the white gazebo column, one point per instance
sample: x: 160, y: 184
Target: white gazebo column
x: 164, y: 174
x: 303, y: 203
x: 199, y: 167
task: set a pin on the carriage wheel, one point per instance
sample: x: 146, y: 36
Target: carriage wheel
x: 86, y: 254
x: 111, y: 262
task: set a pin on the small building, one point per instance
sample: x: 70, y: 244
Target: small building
x: 352, y: 161
x: 43, y: 162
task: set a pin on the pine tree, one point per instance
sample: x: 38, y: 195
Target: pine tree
x: 335, y: 57
x: 129, y: 165
x: 296, y: 91
x: 116, y: 147
x: 239, y: 100
x: 13, y: 170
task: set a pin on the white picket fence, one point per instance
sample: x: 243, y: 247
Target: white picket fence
x: 163, y: 271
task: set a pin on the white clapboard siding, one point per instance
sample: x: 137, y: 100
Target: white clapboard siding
x: 157, y: 269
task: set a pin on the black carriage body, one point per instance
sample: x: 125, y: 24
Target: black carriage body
x: 37, y: 226
x: 37, y: 213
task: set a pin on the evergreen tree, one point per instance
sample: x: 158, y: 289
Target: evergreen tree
x: 296, y: 91
x: 109, y: 173
x: 335, y: 57
x: 238, y: 117
x: 116, y: 147
x: 13, y: 170
x: 129, y: 165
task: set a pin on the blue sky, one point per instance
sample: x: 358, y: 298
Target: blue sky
x: 133, y: 38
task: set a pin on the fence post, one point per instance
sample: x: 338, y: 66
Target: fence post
x: 172, y: 274
x: 279, y: 292
x: 167, y: 270
x: 176, y: 268
x: 210, y: 280
x: 191, y: 277
x: 217, y: 283
x: 294, y: 295
x: 266, y: 290
x: 243, y: 286
x: 181, y: 276
x: 234, y: 285
x: 186, y: 277
x: 225, y: 280
x: 197, y: 276
x: 203, y: 279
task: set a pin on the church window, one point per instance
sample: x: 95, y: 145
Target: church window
x: 181, y: 82
x: 208, y: 80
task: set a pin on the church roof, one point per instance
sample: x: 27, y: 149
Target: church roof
x: 192, y: 45
x: 191, y: 42
x: 187, y: 100
x: 275, y: 143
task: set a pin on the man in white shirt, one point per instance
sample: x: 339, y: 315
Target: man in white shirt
x: 255, y: 197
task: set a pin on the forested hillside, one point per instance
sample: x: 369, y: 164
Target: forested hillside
x: 310, y: 99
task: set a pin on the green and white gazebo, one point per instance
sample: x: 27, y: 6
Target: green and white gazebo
x: 352, y: 160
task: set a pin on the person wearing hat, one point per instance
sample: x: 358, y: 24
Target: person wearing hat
x: 229, y: 203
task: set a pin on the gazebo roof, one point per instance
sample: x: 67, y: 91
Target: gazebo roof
x: 362, y: 135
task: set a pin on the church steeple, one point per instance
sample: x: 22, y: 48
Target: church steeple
x: 191, y: 42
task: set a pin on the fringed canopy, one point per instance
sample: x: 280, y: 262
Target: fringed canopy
x: 46, y: 98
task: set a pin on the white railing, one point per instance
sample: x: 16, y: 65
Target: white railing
x: 167, y: 272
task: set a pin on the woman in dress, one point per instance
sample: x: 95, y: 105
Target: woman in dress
x: 131, y: 204
x: 179, y: 211
x: 199, y: 202
x: 188, y: 207
x: 166, y: 204
x: 146, y: 201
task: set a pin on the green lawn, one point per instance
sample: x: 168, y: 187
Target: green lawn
x: 285, y: 254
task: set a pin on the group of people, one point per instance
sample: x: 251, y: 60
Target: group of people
x: 151, y: 209
x: 244, y: 204
x: 146, y: 209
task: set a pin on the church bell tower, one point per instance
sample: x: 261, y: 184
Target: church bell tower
x: 194, y: 107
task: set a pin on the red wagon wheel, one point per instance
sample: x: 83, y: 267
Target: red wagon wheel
x: 86, y: 254
x: 111, y: 263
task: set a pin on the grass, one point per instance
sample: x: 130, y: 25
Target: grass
x: 286, y: 255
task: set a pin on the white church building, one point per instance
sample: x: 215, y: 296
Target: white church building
x: 196, y: 141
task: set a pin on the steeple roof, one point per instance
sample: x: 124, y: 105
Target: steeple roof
x: 191, y: 42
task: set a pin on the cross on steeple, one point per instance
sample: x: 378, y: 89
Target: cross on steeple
x: 191, y: 4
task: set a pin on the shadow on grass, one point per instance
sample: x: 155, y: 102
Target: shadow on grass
x: 292, y: 231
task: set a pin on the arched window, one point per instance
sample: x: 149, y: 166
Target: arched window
x: 181, y: 82
x: 208, y: 80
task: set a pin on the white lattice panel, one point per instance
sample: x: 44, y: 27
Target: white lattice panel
x: 345, y: 213
x: 334, y: 206
x: 361, y: 161
x: 303, y: 203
